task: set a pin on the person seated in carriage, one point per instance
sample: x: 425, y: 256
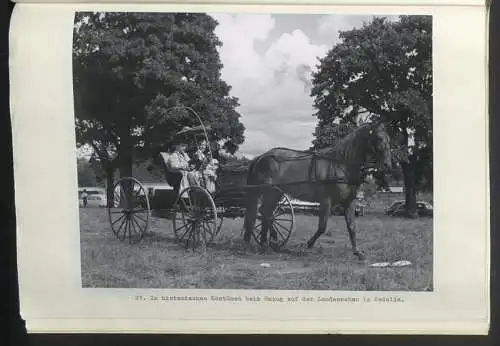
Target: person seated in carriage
x: 182, y: 173
x: 206, y: 164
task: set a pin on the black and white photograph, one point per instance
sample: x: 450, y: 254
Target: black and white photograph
x: 256, y: 151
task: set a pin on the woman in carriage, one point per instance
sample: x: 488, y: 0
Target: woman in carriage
x: 186, y: 171
x: 181, y: 173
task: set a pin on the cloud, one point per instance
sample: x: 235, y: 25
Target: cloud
x: 238, y: 34
x: 268, y: 60
x: 330, y: 25
x: 273, y: 87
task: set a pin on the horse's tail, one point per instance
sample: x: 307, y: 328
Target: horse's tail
x: 251, y: 198
x: 251, y: 177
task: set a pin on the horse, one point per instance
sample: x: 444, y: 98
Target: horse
x: 328, y: 176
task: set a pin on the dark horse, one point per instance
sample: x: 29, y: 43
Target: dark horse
x: 328, y: 176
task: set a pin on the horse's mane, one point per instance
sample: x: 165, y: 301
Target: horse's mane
x: 344, y: 148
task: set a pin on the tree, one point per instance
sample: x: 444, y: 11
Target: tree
x: 383, y: 70
x: 131, y: 69
x: 104, y: 154
x: 86, y: 174
x: 328, y: 134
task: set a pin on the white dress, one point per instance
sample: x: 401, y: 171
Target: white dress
x: 180, y: 162
x: 209, y: 171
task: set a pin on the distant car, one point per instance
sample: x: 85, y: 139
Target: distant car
x: 95, y: 201
x: 398, y: 208
x: 394, y: 205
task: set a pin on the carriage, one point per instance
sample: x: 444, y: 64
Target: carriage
x: 330, y: 175
x: 197, y: 214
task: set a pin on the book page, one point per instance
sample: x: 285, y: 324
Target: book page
x: 283, y: 2
x: 99, y: 88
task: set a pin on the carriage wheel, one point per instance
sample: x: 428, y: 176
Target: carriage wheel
x: 280, y: 224
x: 129, y: 213
x: 220, y: 219
x: 195, y: 218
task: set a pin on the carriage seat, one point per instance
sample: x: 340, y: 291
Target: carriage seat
x: 172, y: 175
x: 164, y: 160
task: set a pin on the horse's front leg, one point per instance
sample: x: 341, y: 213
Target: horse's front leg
x: 324, y: 215
x: 351, y: 228
x: 250, y: 215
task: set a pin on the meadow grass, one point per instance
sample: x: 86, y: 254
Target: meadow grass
x: 159, y: 262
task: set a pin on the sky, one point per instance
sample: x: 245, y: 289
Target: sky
x: 268, y: 60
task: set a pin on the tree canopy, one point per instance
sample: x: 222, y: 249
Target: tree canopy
x: 86, y: 174
x: 130, y: 69
x: 381, y: 70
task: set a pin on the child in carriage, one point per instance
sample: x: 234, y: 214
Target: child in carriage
x: 206, y: 165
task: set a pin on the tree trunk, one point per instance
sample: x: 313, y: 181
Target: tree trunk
x: 110, y: 172
x: 125, y: 159
x: 125, y: 163
x: 410, y: 189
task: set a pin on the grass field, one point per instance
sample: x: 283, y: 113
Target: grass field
x: 159, y: 262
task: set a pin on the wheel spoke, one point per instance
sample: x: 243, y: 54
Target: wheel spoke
x: 191, y: 234
x: 280, y: 225
x: 262, y: 235
x: 121, y: 225
x: 204, y: 235
x: 196, y: 213
x: 139, y: 226
x: 140, y: 218
x: 184, y: 205
x: 274, y: 229
x: 273, y: 235
x: 121, y: 217
x: 278, y: 232
x: 130, y: 196
x: 280, y: 212
x: 186, y: 224
x: 286, y: 220
x: 208, y: 229
x: 188, y: 228
x: 133, y: 231
x: 189, y: 199
x: 130, y: 227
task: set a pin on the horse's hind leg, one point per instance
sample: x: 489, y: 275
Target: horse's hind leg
x: 324, y: 215
x: 351, y: 228
x: 269, y: 203
x: 250, y: 214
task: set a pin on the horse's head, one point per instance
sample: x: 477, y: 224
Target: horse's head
x: 380, y: 146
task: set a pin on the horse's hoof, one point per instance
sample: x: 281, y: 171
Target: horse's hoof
x: 247, y: 246
x: 301, y: 248
x: 274, y: 246
x: 360, y: 255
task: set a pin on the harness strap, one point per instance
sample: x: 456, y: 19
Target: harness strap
x: 312, y: 167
